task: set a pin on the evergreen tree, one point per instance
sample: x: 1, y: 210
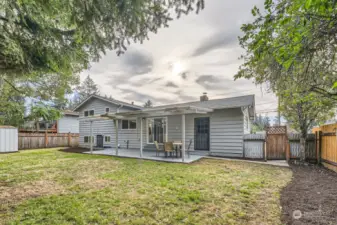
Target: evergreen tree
x: 148, y: 104
x: 87, y: 88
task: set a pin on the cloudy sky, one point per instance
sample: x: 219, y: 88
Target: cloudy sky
x: 196, y: 54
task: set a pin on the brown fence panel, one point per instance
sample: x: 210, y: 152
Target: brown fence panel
x: 329, y: 148
x: 47, y: 140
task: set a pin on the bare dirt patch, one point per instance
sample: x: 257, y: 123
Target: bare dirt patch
x: 311, y: 197
x: 10, y: 194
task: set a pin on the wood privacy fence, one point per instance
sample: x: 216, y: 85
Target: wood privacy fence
x: 294, y: 145
x: 321, y: 147
x: 326, y: 143
x: 255, y: 146
x: 47, y: 140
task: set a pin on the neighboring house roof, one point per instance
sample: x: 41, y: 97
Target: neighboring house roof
x: 70, y: 113
x: 114, y: 101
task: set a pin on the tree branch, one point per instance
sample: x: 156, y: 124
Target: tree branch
x: 15, y: 88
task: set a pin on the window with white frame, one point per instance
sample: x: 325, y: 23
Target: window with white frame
x: 107, y: 139
x: 107, y: 110
x: 89, y: 113
x: 87, y: 139
x: 129, y: 124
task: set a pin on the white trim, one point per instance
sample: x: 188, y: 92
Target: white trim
x: 105, y: 139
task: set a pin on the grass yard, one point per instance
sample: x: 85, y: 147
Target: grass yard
x: 53, y: 187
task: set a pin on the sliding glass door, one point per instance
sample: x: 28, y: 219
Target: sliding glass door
x: 156, y: 130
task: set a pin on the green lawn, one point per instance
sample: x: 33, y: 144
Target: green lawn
x: 53, y: 187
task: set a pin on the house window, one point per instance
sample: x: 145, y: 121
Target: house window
x: 107, y: 110
x: 86, y: 139
x: 89, y: 113
x: 125, y: 124
x: 129, y: 124
x: 107, y: 139
x: 133, y: 124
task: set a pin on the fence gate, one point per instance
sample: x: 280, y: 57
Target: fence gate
x: 276, y: 142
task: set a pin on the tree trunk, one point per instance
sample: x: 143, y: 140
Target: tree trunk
x: 302, y: 149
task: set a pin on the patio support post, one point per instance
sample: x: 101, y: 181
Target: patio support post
x: 183, y: 137
x: 116, y: 135
x: 91, y: 139
x: 141, y: 137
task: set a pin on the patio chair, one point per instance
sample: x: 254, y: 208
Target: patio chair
x: 158, y: 149
x: 168, y: 148
x: 188, y: 148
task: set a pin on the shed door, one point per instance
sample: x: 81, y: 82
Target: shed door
x: 201, y: 133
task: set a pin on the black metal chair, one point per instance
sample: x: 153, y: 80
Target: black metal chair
x: 188, y: 148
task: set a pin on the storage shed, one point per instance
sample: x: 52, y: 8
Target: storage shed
x: 8, y: 139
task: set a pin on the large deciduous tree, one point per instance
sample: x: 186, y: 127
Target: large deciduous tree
x: 293, y: 40
x: 303, y: 110
x: 292, y: 47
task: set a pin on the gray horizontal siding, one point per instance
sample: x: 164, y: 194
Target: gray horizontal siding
x: 174, y: 128
x: 107, y: 128
x: 227, y: 133
x: 103, y: 127
x: 68, y: 124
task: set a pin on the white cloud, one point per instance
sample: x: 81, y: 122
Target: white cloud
x: 166, y: 67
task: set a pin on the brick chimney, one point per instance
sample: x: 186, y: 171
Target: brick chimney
x: 204, y: 97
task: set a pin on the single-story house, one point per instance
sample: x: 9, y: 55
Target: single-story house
x: 213, y: 127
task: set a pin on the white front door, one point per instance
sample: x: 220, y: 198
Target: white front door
x: 157, y: 130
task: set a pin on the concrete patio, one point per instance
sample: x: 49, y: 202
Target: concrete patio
x: 150, y: 155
